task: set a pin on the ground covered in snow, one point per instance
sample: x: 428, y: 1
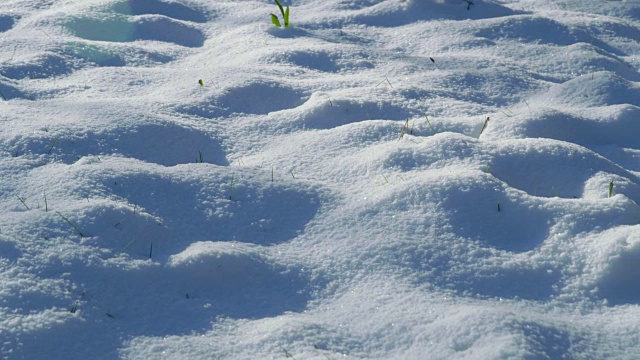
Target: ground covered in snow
x: 386, y: 179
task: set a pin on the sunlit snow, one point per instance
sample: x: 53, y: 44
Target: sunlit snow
x: 385, y: 179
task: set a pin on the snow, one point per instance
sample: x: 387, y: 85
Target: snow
x: 386, y: 179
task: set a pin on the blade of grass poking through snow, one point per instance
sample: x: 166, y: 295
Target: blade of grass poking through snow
x: 430, y: 127
x: 46, y: 204
x: 53, y: 145
x: 484, y: 126
x: 330, y: 102
x: 22, y: 201
x: 509, y: 114
x: 3, y: 98
x: 275, y: 21
x: 70, y: 223
x: 405, y: 129
x: 231, y: 187
x: 285, y: 16
x: 434, y: 63
x: 125, y: 247
x: 281, y: 9
x: 387, y: 80
x: 287, y: 354
x: 611, y: 189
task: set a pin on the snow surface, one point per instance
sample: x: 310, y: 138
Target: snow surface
x: 329, y: 191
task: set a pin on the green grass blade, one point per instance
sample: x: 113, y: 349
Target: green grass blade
x: 23, y: 202
x: 280, y: 6
x: 70, y: 223
x: 53, y: 145
x: 486, y: 122
x: 286, y: 18
x: 430, y: 127
x: 275, y: 21
x: 125, y: 247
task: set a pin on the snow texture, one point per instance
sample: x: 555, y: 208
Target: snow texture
x: 386, y: 179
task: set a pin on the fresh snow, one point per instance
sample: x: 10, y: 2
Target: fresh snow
x: 386, y: 179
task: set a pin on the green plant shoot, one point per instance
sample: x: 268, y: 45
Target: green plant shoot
x: 275, y: 21
x: 611, y: 189
x: 53, y: 145
x: 70, y: 223
x: 285, y: 16
x: 23, y: 202
x: 430, y: 127
x: 486, y: 122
